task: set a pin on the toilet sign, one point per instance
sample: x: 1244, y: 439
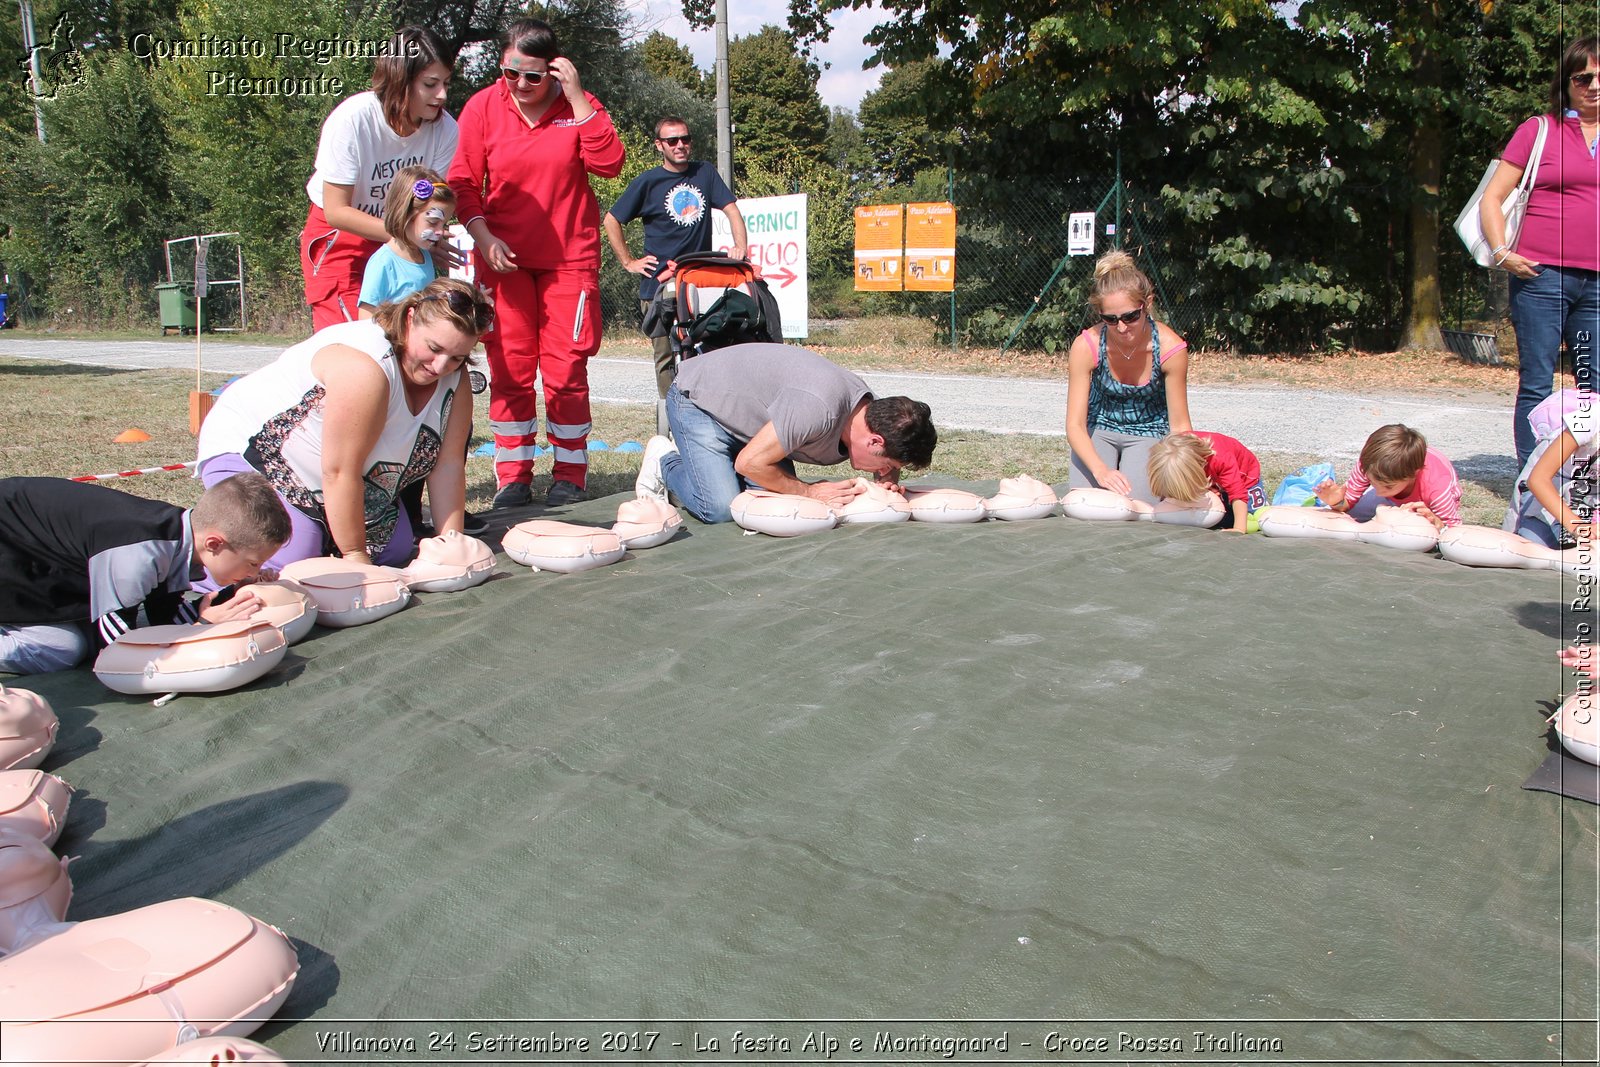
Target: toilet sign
x: 1080, y: 233
x: 776, y: 226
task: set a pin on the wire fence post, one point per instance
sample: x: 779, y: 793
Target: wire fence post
x: 1116, y: 223
x: 950, y: 195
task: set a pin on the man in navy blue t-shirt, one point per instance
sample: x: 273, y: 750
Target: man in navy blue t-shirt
x: 674, y: 201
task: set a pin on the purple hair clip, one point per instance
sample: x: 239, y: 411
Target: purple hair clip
x: 423, y: 190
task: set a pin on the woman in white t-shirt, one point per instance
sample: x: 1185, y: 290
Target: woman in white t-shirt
x: 401, y: 122
x: 345, y: 421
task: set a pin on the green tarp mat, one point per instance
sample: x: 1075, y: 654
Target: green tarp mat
x: 995, y: 792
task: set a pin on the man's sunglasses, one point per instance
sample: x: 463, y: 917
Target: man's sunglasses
x: 676, y: 141
x: 532, y: 77
x: 1125, y: 317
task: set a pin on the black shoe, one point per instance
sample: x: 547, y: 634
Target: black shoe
x: 562, y: 493
x: 513, y: 495
x: 473, y: 524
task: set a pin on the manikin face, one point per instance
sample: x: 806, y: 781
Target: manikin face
x: 433, y: 349
x: 428, y: 90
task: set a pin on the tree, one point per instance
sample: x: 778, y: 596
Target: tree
x: 776, y: 111
x: 895, y: 120
x: 246, y: 128
x: 847, y: 151
x: 83, y: 214
x: 670, y: 59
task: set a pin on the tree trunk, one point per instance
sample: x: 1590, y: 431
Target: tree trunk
x: 1425, y: 306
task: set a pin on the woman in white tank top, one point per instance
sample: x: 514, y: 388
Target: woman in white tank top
x: 343, y: 421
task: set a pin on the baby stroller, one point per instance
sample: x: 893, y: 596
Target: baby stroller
x: 706, y: 301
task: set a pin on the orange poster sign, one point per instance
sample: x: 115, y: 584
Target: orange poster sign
x: 880, y: 233
x: 931, y: 247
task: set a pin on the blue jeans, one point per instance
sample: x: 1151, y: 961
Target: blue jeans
x: 1558, y: 303
x: 1365, y: 507
x: 43, y: 648
x: 700, y: 474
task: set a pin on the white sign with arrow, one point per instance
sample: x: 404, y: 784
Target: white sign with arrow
x: 777, y: 229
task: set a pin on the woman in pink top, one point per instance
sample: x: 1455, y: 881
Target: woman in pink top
x: 1555, y: 262
x: 521, y: 174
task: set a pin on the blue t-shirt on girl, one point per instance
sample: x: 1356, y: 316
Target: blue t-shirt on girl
x: 388, y: 277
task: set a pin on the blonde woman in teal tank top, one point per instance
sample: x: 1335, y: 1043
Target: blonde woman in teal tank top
x: 1127, y: 383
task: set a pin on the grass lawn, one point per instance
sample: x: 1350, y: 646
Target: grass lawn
x: 74, y: 412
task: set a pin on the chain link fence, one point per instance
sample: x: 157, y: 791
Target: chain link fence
x: 1018, y: 288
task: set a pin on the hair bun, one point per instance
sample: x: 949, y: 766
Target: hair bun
x: 1116, y: 259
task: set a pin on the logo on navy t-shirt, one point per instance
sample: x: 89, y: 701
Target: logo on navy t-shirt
x: 685, y: 204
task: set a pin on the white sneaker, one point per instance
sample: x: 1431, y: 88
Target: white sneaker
x: 650, y: 483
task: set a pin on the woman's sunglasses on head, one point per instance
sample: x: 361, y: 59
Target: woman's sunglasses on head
x: 1125, y: 317
x: 532, y: 77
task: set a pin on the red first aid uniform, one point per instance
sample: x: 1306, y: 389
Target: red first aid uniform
x: 530, y: 185
x: 358, y: 149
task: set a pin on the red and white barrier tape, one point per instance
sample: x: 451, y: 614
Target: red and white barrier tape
x: 130, y: 474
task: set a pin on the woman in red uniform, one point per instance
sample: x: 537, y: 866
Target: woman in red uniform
x: 521, y: 174
x: 400, y: 122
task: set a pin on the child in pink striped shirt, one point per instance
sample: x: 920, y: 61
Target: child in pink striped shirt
x: 1398, y: 468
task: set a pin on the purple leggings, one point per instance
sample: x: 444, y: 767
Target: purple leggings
x: 306, y: 535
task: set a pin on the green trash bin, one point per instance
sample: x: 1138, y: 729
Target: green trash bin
x: 177, y: 307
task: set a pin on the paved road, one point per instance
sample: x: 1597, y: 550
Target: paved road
x: 1333, y: 425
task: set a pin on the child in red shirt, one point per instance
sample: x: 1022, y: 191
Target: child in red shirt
x: 1184, y: 465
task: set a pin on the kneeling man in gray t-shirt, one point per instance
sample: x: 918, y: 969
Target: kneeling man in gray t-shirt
x: 742, y: 416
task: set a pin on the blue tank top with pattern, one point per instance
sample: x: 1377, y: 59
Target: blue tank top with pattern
x: 1140, y: 410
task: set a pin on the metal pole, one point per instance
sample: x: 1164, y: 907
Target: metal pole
x: 724, y: 109
x: 950, y: 195
x: 30, y: 42
x: 244, y: 322
x: 1117, y: 243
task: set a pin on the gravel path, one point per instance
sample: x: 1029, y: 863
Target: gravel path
x: 1476, y: 436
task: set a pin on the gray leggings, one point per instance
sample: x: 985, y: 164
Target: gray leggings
x: 1124, y: 452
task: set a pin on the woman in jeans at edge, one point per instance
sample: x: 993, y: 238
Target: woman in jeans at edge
x: 1555, y: 264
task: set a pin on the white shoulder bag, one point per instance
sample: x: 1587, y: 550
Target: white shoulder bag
x: 1469, y: 224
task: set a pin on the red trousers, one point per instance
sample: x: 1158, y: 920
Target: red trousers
x: 333, y: 262
x: 546, y: 323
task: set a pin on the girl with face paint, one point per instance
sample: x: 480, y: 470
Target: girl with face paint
x: 416, y: 217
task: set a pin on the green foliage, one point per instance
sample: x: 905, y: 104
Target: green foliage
x: 895, y: 126
x: 80, y: 214
x: 777, y: 113
x: 830, y: 213
x: 847, y: 149
x: 671, y: 60
x: 619, y: 290
x: 245, y: 129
